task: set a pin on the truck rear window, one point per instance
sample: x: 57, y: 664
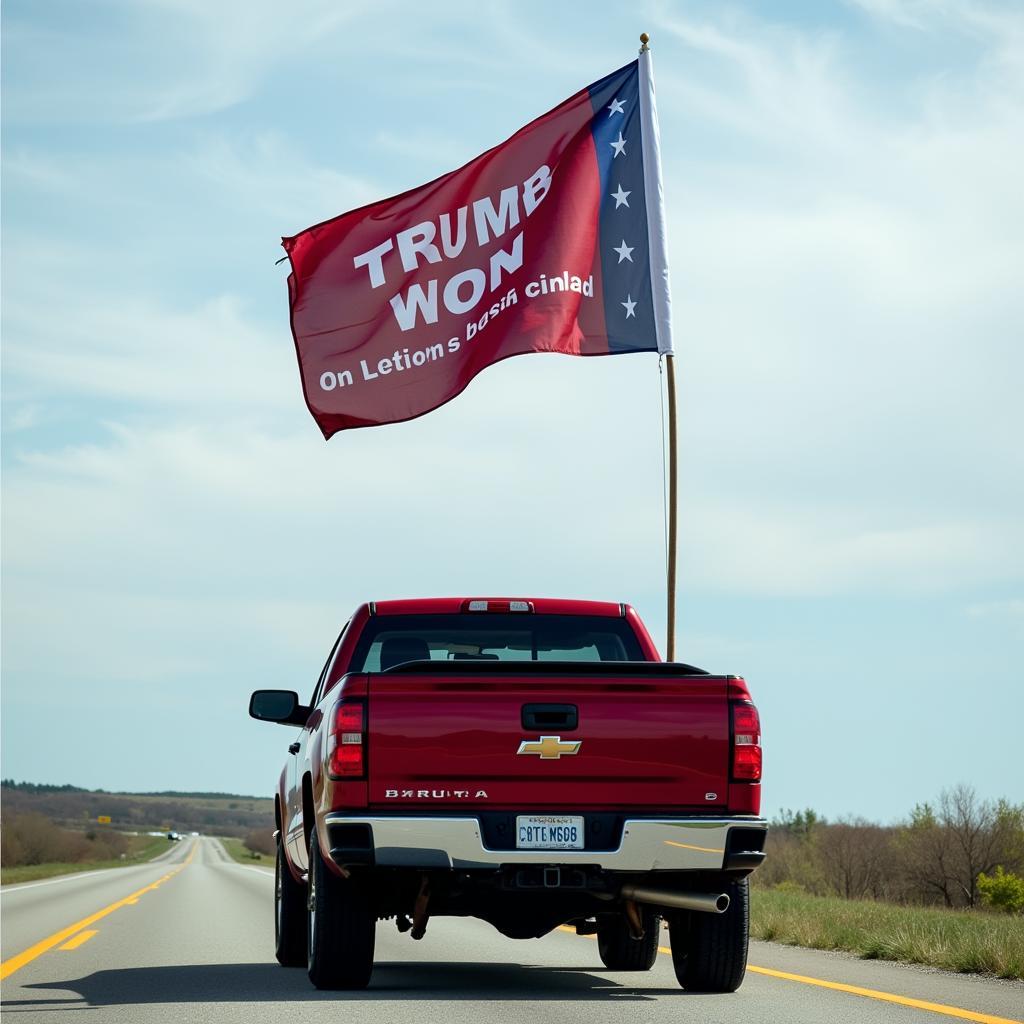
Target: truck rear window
x: 390, y: 640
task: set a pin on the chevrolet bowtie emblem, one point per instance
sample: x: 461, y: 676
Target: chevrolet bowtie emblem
x: 550, y: 748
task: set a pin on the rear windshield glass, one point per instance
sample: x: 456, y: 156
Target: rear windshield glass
x: 390, y: 640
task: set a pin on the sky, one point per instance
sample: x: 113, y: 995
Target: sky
x: 846, y: 244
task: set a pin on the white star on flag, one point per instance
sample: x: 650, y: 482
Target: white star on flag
x: 625, y: 253
x: 629, y: 304
x: 616, y: 108
x: 619, y: 145
x: 620, y: 196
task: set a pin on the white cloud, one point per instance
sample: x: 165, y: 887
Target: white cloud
x: 211, y: 358
x: 1011, y: 609
x: 847, y: 273
x: 161, y: 61
x: 888, y: 225
x: 913, y: 14
x: 270, y: 178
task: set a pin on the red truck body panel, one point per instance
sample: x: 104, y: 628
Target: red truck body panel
x: 647, y: 744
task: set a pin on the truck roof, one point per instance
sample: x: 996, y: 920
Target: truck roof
x: 454, y: 605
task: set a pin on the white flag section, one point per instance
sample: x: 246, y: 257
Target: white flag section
x: 655, y: 198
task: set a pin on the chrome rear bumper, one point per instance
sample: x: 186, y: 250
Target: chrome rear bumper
x: 663, y: 844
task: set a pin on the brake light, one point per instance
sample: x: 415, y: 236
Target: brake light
x: 746, y: 743
x: 346, y: 742
x: 481, y: 605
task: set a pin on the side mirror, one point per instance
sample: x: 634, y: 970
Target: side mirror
x: 278, y: 706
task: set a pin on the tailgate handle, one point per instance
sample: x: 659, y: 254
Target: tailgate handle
x: 538, y: 717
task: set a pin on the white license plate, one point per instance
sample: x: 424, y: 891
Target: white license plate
x: 549, y: 832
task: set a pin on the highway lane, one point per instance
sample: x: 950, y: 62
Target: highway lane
x: 196, y: 944
x: 33, y: 910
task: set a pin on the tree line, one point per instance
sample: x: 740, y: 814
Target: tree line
x: 958, y: 851
x: 71, y: 807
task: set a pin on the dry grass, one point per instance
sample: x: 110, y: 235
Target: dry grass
x: 239, y: 852
x: 139, y: 850
x: 955, y: 940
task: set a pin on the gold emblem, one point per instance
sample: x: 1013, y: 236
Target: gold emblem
x: 550, y: 748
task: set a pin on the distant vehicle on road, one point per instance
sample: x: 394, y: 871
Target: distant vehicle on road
x: 174, y: 837
x: 532, y: 763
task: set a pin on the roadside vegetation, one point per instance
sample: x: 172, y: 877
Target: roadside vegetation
x: 944, y: 887
x: 211, y: 813
x: 955, y: 940
x: 256, y: 848
x: 32, y: 847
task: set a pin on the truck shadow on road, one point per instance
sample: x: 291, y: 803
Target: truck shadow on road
x: 249, y: 983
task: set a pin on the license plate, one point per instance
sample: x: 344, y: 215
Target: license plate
x: 549, y: 832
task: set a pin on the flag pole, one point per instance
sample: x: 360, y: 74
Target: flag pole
x: 666, y: 350
x: 672, y: 490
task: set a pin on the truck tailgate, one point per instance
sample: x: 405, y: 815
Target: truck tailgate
x: 644, y: 742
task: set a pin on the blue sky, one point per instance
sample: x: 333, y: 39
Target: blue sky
x: 846, y: 241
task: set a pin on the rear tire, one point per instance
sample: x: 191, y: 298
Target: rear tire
x: 289, y: 914
x: 342, y: 927
x: 709, y: 951
x: 619, y: 951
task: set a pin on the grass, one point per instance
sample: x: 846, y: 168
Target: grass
x: 240, y: 852
x: 969, y: 942
x: 140, y: 850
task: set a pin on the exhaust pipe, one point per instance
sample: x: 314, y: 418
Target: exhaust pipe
x: 706, y: 902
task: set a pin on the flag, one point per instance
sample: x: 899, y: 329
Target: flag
x: 553, y: 241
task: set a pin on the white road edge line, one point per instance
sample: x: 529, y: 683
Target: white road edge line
x: 77, y: 876
x: 71, y: 877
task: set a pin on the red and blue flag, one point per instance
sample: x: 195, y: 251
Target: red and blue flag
x: 553, y: 241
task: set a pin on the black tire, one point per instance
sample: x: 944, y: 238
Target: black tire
x: 289, y: 915
x: 342, y: 927
x: 619, y: 951
x: 709, y: 951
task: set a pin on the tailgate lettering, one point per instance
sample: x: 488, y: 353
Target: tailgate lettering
x: 435, y: 794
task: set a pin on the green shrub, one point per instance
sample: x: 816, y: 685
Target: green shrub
x: 789, y: 886
x: 1003, y: 890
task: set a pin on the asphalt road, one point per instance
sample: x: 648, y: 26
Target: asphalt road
x: 189, y: 937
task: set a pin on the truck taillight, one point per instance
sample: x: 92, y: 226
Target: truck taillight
x: 746, y: 743
x: 346, y: 742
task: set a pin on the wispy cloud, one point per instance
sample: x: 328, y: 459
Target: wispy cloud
x: 1011, y: 609
x: 125, y: 62
x: 208, y: 358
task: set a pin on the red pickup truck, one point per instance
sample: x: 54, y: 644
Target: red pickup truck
x: 532, y: 763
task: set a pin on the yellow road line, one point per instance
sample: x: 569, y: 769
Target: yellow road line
x: 888, y: 997
x: 856, y: 990
x: 8, y: 967
x: 79, y: 940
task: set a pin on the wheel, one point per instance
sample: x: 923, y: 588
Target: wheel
x: 342, y: 927
x: 289, y: 914
x: 618, y: 949
x: 709, y: 951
